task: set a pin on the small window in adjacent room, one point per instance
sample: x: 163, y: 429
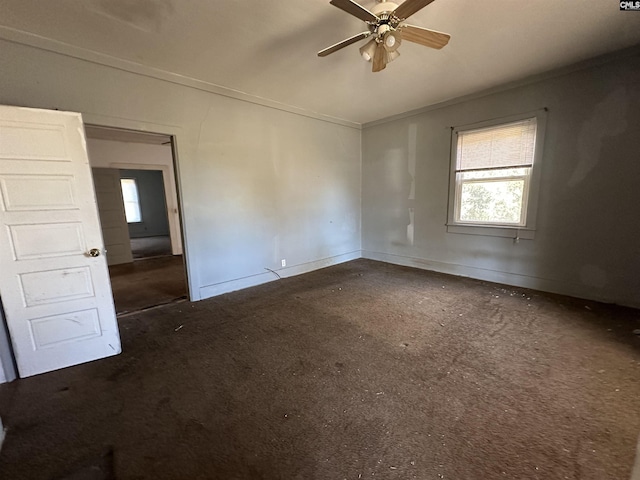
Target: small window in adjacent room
x: 131, y: 200
x: 494, y: 180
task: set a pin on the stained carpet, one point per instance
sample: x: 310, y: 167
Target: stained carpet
x: 358, y: 371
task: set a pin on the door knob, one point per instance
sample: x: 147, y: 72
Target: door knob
x: 94, y: 252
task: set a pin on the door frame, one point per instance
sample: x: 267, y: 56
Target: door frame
x: 175, y: 133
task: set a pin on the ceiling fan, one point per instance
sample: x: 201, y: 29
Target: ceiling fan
x: 385, y: 23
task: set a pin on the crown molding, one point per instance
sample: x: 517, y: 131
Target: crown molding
x: 47, y: 44
x: 559, y: 72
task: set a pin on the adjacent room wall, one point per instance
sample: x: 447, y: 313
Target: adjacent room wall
x: 152, y: 204
x: 587, y: 238
x: 258, y: 184
x: 115, y: 154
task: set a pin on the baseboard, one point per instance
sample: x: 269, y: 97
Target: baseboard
x: 271, y: 275
x: 507, y: 278
x: 215, y: 289
x: 318, y: 264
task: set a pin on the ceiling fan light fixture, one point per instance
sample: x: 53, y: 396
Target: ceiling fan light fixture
x: 368, y: 50
x: 391, y: 56
x: 392, y: 40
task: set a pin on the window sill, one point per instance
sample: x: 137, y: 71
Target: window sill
x: 493, y: 231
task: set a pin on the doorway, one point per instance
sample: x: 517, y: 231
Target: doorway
x: 134, y: 177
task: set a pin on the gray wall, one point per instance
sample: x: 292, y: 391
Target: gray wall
x: 258, y: 184
x: 588, y: 229
x: 7, y: 367
x: 152, y: 203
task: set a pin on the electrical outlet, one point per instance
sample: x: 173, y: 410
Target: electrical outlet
x: 284, y: 262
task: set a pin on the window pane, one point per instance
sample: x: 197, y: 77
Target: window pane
x: 502, y: 146
x: 492, y: 201
x: 131, y: 200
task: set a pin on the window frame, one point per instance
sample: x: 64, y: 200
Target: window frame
x: 124, y: 202
x: 531, y: 191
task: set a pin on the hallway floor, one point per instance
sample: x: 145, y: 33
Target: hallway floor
x: 146, y: 247
x: 146, y: 283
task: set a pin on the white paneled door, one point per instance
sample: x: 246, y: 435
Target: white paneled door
x: 54, y: 282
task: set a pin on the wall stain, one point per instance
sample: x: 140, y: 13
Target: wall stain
x: 607, y: 120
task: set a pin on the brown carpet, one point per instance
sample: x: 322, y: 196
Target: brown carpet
x: 362, y: 370
x: 146, y: 283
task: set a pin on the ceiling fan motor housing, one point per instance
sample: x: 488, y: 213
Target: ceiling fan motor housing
x: 382, y: 7
x: 385, y: 27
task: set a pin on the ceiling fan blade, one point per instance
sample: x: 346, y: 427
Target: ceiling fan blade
x: 355, y: 9
x: 409, y: 7
x: 424, y: 36
x: 342, y: 44
x: 379, y: 58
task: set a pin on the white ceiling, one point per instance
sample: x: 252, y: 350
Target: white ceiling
x: 267, y: 48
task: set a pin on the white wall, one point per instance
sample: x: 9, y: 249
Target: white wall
x: 258, y: 184
x: 114, y: 154
x: 588, y: 229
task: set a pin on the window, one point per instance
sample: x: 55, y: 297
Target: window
x: 131, y: 200
x: 493, y: 186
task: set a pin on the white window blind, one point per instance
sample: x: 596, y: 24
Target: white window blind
x: 505, y: 146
